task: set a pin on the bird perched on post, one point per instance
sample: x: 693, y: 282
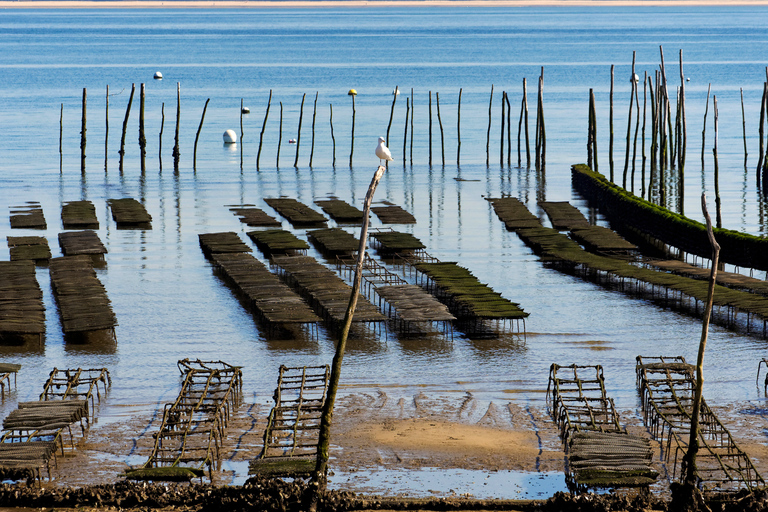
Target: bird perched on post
x: 382, y: 151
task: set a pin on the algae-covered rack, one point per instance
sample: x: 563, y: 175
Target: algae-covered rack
x: 129, y: 213
x: 79, y: 215
x: 73, y: 243
x: 255, y: 217
x: 22, y: 313
x: 192, y: 427
x: 298, y: 214
x: 393, y: 214
x: 334, y: 241
x: 341, y: 211
x: 600, y: 452
x: 29, y: 248
x: 226, y: 242
x: 278, y: 241
x: 83, y: 304
x: 291, y: 435
x: 28, y: 216
x: 324, y: 289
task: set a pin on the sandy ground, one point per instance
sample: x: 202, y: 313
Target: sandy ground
x: 385, y: 429
x: 56, y: 4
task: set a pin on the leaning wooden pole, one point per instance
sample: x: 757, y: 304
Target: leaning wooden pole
x: 323, y: 443
x: 637, y: 129
x: 82, y: 134
x: 440, y: 124
x: 392, y: 111
x: 263, y: 126
x: 125, y: 126
x: 176, y: 151
x: 298, y: 135
x: 411, y: 147
x: 333, y: 137
x: 693, y: 443
x: 718, y: 216
x: 519, y: 132
x: 160, y: 136
x: 458, y: 130
x: 629, y: 121
x: 314, y: 118
x: 682, y: 150
x: 743, y: 126
x: 704, y: 127
x: 142, y: 135
x: 642, y: 142
x: 760, y: 131
x: 280, y: 137
x: 488, y: 136
x: 197, y: 135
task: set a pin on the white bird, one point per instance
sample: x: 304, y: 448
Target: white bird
x: 382, y: 151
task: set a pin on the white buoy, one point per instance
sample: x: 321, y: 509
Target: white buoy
x: 396, y: 92
x: 291, y: 141
x: 687, y: 79
x: 158, y: 75
x: 230, y: 137
x: 246, y: 110
x: 634, y: 78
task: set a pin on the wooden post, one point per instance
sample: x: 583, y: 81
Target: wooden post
x: 589, y: 132
x: 637, y: 128
x: 125, y: 126
x: 106, y: 130
x: 160, y: 136
x: 405, y: 130
x: 717, y: 167
x: 176, y: 151
x: 430, y: 128
x: 197, y: 136
x: 61, y: 134
x: 509, y: 132
x: 654, y: 130
x: 645, y: 110
x: 241, y: 135
x: 760, y: 131
x: 314, y: 117
x: 333, y: 138
x: 142, y: 137
x: 412, y: 109
x: 542, y: 132
x: 458, y: 130
x: 352, y: 144
x: 323, y: 443
x: 440, y: 123
x: 503, y: 126
x: 298, y: 136
x: 743, y: 126
x: 681, y: 152
x: 693, y: 442
x: 527, y: 144
x: 594, y: 129
x: 704, y: 128
x: 392, y: 113
x: 82, y: 135
x: 280, y: 137
x: 610, y: 140
x: 488, y: 136
x: 629, y: 121
x: 263, y: 126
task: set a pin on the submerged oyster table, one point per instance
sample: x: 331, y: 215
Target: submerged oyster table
x: 79, y: 215
x: 29, y: 248
x: 28, y: 216
x: 22, y: 313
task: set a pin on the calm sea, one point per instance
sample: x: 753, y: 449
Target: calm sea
x: 169, y: 303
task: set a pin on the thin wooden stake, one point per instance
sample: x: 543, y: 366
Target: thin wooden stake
x: 637, y: 128
x: 503, y: 126
x: 458, y: 130
x: 509, y: 132
x: 280, y: 136
x: 298, y: 136
x: 527, y: 144
x: 333, y: 138
x: 405, y: 130
x: 142, y: 137
x: 125, y: 126
x: 412, y: 109
x: 241, y: 135
x: 704, y: 128
x: 743, y: 126
x: 176, y: 151
x: 352, y: 142
x: 392, y: 112
x: 589, y: 132
x: 314, y: 117
x: 106, y: 129
x: 610, y: 140
x: 197, y: 136
x: 629, y: 121
x: 61, y: 134
x: 594, y: 129
x: 761, y: 130
x: 263, y: 126
x: 430, y: 128
x: 488, y: 136
x: 82, y: 135
x: 160, y: 136
x: 440, y: 123
x: 645, y: 110
x: 717, y: 166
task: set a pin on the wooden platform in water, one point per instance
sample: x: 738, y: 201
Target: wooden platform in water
x: 73, y: 243
x: 388, y: 242
x: 273, y: 301
x: 224, y: 242
x: 466, y: 296
x: 513, y: 213
x: 602, y: 240
x: 255, y: 217
x: 79, y: 215
x: 82, y: 299
x: 413, y: 304
x: 298, y: 214
x: 22, y: 312
x: 341, y: 211
x: 278, y: 241
x: 563, y: 215
x: 334, y: 241
x: 324, y: 289
x: 28, y: 216
x: 129, y: 213
x: 29, y: 248
x: 393, y: 214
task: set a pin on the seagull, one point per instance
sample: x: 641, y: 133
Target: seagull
x: 382, y: 151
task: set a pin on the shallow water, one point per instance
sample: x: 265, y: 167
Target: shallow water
x: 169, y: 303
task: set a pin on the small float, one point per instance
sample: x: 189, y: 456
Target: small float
x: 158, y: 75
x: 230, y: 137
x: 352, y: 92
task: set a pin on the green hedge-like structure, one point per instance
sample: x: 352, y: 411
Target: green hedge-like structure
x: 624, y: 208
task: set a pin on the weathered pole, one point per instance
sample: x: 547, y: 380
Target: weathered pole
x: 593, y: 113
x: 142, y: 137
x: 263, y: 126
x: 333, y: 138
x: 430, y: 128
x: 106, y: 129
x: 637, y: 128
x: 82, y: 135
x: 760, y: 130
x: 412, y: 109
x: 503, y: 126
x: 509, y: 132
x: 160, y: 136
x: 241, y: 134
x: 718, y: 215
x: 458, y: 130
x: 693, y: 443
x: 519, y: 130
x: 176, y: 150
x: 682, y: 150
x: 324, y: 438
x: 392, y: 112
x: 629, y: 121
x: 589, y: 132
x: 298, y: 135
x: 314, y: 118
x: 352, y: 142
x: 743, y: 126
x: 488, y: 136
x: 125, y: 126
x: 197, y: 136
x: 645, y: 111
x: 610, y: 127
x: 527, y: 144
x: 704, y: 128
x: 405, y: 130
x: 440, y: 123
x: 280, y: 137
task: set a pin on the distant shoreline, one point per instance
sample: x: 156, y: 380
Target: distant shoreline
x: 229, y: 4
